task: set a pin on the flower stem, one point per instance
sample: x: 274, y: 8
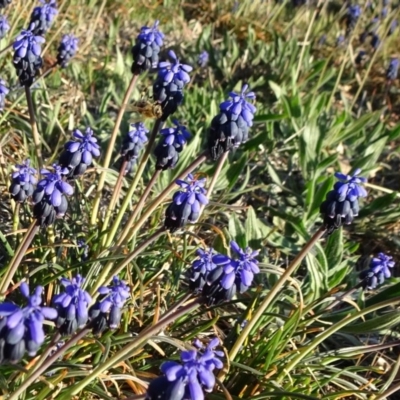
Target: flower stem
x: 217, y: 172
x: 272, y: 295
x: 156, y: 202
x: 49, y: 361
x: 32, y: 119
x: 115, y: 195
x: 157, y: 126
x: 103, y: 279
x: 110, y: 148
x: 129, y: 349
x: 19, y: 254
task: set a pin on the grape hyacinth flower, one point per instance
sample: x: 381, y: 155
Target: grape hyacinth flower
x: 4, y: 26
x: 27, y: 60
x: 168, y: 87
x: 202, y: 61
x: 393, y: 69
x: 361, y: 57
x: 170, y: 145
x: 67, y: 50
x: 72, y: 305
x: 200, y: 269
x: 231, y: 126
x: 133, y: 143
x: 84, y: 249
x: 4, y: 3
x: 341, y: 204
x: 107, y: 311
x: 232, y: 275
x: 4, y: 90
x: 353, y: 14
x: 50, y: 194
x: 186, y: 203
x: 393, y: 26
x: 378, y: 271
x: 78, y: 155
x: 375, y: 41
x: 22, y: 182
x: 21, y: 329
x: 146, y: 49
x: 189, y: 378
x: 43, y: 16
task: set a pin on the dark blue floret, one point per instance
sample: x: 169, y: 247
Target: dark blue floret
x: 203, y: 59
x: 168, y: 87
x: 72, y: 305
x: 393, y: 69
x: 22, y: 182
x: 4, y: 3
x: 186, y: 203
x: 147, y: 48
x: 133, y: 143
x: 4, y: 90
x: 200, y: 269
x: 352, y: 16
x: 78, y: 154
x: 378, y: 271
x: 107, y: 311
x: 67, y: 49
x: 170, y: 145
x: 43, y: 16
x: 361, y: 57
x: 232, y: 275
x: 50, y: 194
x: 231, y: 126
x: 21, y: 329
x: 27, y: 59
x: 375, y: 41
x: 341, y: 204
x: 4, y: 26
x: 189, y: 378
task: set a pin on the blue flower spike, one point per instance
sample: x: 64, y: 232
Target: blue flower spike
x: 379, y: 269
x: 189, y: 378
x: 341, y: 204
x: 230, y: 128
x: 21, y: 329
x: 72, y: 305
x: 108, y: 310
x: 186, y: 203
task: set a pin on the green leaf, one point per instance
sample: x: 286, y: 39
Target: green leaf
x: 375, y: 324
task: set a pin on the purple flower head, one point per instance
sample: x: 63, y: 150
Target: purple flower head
x: 349, y: 186
x: 353, y: 14
x: 378, y: 271
x: 168, y: 87
x: 22, y: 182
x: 27, y: 59
x: 375, y: 41
x: 200, y: 269
x: 53, y: 186
x: 22, y: 328
x: 341, y: 204
x: 4, y: 90
x: 384, y: 12
x: 147, y: 48
x: 4, y: 3
x: 186, y: 203
x: 202, y: 61
x: 393, y: 69
x: 133, y: 143
x: 107, y: 311
x: 171, y: 144
x: 4, y: 26
x: 393, y: 26
x: 174, y: 71
x: 84, y: 249
x: 189, y: 378
x: 67, y: 49
x: 340, y: 40
x: 43, y: 16
x: 72, y: 305
x: 231, y: 126
x: 361, y: 56
x: 78, y: 154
